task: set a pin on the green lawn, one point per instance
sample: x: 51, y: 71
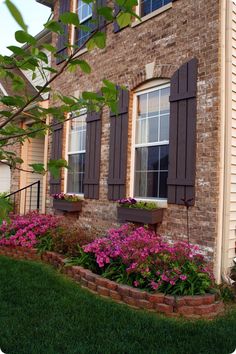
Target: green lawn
x: 41, y: 312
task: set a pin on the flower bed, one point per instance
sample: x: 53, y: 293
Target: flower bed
x: 193, y: 307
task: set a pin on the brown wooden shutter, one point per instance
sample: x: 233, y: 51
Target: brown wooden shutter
x: 118, y: 148
x: 182, y: 149
x: 92, y: 155
x: 56, y: 154
x: 62, y: 50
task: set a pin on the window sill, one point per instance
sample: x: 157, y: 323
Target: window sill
x: 81, y: 51
x: 161, y: 203
x: 151, y: 15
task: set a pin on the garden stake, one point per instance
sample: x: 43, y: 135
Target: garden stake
x: 187, y: 204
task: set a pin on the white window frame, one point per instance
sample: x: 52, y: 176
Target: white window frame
x: 147, y: 88
x: 67, y: 153
x: 86, y: 18
x: 151, y: 14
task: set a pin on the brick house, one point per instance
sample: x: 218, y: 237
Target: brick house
x: 175, y: 134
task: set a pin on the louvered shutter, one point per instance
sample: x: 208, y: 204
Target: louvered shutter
x: 116, y: 27
x: 118, y: 148
x: 56, y: 154
x: 92, y: 155
x: 182, y: 148
x: 62, y: 50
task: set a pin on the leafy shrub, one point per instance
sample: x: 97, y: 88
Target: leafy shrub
x: 141, y: 258
x: 67, y: 237
x: 134, y: 204
x: 26, y: 230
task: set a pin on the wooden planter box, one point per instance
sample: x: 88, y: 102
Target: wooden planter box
x: 66, y: 205
x: 143, y: 216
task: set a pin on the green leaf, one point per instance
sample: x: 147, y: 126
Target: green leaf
x: 123, y: 19
x: 49, y: 47
x: 24, y: 37
x: 16, y: 14
x: 100, y: 39
x: 17, y: 50
x: 55, y: 166
x: 89, y: 95
x: 54, y: 26
x: 106, y: 12
x: 14, y: 101
x: 46, y: 89
x: 91, y: 44
x: 38, y: 167
x: 70, y: 18
x: 42, y: 56
x: 85, y: 67
x: 67, y: 100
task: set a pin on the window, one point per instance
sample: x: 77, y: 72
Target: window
x: 151, y: 143
x: 148, y: 6
x: 76, y: 155
x: 85, y: 17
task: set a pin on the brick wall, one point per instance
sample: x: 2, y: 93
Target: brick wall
x: 189, y: 29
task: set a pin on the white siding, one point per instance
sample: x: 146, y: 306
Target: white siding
x: 5, y: 178
x: 231, y: 237
x: 40, y: 79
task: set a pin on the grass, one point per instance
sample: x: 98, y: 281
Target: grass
x: 42, y: 312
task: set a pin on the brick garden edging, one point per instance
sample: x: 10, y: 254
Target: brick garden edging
x: 193, y: 307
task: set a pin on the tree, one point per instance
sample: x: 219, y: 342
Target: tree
x: 17, y: 105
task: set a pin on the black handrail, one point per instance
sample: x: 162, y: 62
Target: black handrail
x: 25, y: 188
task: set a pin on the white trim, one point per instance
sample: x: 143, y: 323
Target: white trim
x: 3, y: 90
x: 134, y: 145
x: 82, y: 112
x: 150, y: 15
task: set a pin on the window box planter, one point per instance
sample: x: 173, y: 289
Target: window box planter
x: 66, y: 205
x: 151, y: 217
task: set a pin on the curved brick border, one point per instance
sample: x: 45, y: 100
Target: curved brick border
x: 194, y: 307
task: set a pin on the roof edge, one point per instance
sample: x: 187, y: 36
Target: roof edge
x: 48, y: 3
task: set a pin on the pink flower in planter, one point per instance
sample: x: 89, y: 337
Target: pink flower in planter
x: 183, y: 277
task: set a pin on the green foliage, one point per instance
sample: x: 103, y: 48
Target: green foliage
x: 70, y: 18
x: 45, y: 243
x: 54, y: 167
x: 144, y: 205
x: 16, y: 14
x: 5, y: 207
x: 24, y: 37
x: 35, y: 62
x: 226, y: 293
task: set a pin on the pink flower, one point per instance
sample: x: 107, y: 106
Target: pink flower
x: 136, y: 283
x: 183, y: 277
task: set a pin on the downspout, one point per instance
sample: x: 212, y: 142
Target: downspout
x: 221, y: 204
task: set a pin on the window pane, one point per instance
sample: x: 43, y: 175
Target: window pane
x: 142, y: 106
x: 164, y: 157
x: 153, y: 103
x: 163, y: 185
x: 77, y: 134
x: 164, y: 128
x: 164, y: 100
x: 148, y: 6
x: 146, y: 184
x: 76, y: 173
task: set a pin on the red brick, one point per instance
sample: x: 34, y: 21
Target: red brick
x: 130, y: 300
x: 219, y: 306
x: 92, y: 286
x: 115, y: 295
x: 101, y: 281
x: 194, y: 300
x: 144, y: 304
x: 164, y: 308
x: 208, y: 299
x: 169, y: 300
x: 111, y: 285
x: 156, y: 298
x: 205, y: 309
x: 123, y: 290
x: 103, y: 291
x: 185, y: 310
x: 180, y: 301
x: 138, y: 294
x: 83, y: 282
